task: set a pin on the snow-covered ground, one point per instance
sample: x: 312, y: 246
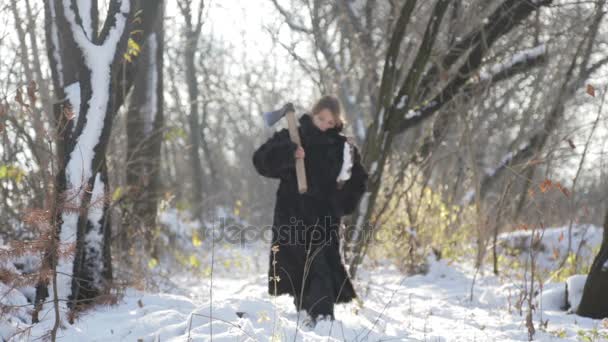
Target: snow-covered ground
x: 432, y: 307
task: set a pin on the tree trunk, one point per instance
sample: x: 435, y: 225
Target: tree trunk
x: 194, y: 123
x: 86, y: 66
x: 144, y: 137
x: 594, y: 303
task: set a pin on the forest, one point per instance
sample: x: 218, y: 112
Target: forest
x: 161, y: 160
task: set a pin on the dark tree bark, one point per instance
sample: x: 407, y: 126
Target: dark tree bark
x: 594, y: 302
x: 144, y: 137
x: 192, y: 33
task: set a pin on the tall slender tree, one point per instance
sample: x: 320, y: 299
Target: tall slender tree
x: 145, y: 122
x: 192, y: 32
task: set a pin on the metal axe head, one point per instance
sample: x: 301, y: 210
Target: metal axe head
x: 272, y: 117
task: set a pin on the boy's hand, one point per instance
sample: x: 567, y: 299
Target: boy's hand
x: 299, y: 154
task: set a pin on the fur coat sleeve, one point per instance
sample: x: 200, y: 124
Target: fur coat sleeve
x: 346, y: 198
x: 276, y: 156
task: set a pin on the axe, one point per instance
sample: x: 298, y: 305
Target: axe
x: 271, y: 118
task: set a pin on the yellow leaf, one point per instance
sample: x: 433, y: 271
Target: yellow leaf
x: 196, y: 240
x: 117, y: 194
x: 133, y: 47
x: 152, y: 263
x: 194, y: 261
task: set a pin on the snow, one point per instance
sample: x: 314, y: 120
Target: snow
x: 84, y: 11
x: 67, y: 237
x: 373, y: 168
x: 552, y: 248
x: 553, y: 297
x: 72, y: 93
x: 360, y: 128
x: 177, y: 224
x: 380, y: 121
x: 347, y: 163
x: 402, y: 102
x: 151, y: 101
x: 506, y: 159
x: 94, y: 238
x: 17, y: 318
x: 519, y: 57
x: 412, y: 114
x: 576, y: 284
x: 554, y: 243
x: 362, y: 210
x: 468, y: 197
x: 431, y: 307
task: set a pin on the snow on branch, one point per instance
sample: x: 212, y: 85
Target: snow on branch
x: 518, y: 63
x: 519, y: 58
x: 506, y: 159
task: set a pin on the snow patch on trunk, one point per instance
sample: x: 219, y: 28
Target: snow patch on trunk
x: 347, y: 163
x: 380, y: 121
x: 72, y: 93
x: 362, y: 210
x: 94, y: 238
x: 468, y: 196
x: 150, y: 107
x: 360, y: 128
x: 575, y: 284
x: 402, y: 102
x: 412, y: 113
x: 373, y: 168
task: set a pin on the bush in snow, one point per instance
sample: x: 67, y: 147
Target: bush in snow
x: 419, y: 222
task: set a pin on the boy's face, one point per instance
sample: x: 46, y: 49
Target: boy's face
x: 324, y: 120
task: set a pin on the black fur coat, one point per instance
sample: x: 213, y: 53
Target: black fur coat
x: 305, y: 259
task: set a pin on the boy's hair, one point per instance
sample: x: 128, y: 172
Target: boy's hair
x: 332, y: 104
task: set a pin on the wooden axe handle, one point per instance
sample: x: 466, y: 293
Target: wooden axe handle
x: 295, y: 137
